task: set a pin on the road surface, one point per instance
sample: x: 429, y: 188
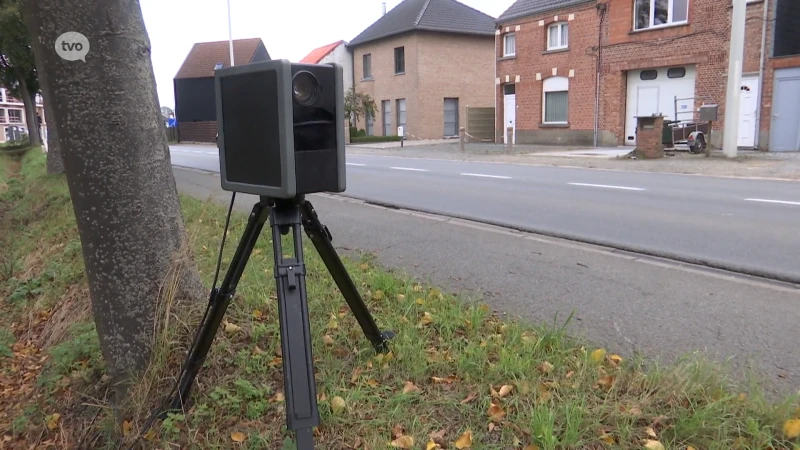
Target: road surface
x: 623, y: 302
x: 750, y: 226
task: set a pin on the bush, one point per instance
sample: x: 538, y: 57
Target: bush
x: 366, y: 139
x: 355, y: 132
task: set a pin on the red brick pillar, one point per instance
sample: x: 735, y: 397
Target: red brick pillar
x: 649, y: 137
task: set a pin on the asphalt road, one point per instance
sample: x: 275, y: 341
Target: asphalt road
x: 750, y: 226
x: 624, y: 302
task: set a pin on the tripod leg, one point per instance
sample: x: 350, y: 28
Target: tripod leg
x: 302, y: 413
x: 321, y: 238
x: 220, y: 299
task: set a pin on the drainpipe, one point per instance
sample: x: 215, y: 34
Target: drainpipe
x: 495, y: 86
x: 601, y: 8
x: 765, y: 24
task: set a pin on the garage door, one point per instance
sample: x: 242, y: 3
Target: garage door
x: 653, y: 91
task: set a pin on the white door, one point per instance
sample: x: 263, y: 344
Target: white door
x: 748, y: 110
x: 510, y: 116
x: 668, y: 91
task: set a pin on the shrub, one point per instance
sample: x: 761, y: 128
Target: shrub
x: 366, y: 139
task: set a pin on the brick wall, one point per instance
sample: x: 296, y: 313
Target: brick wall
x: 437, y: 66
x: 703, y: 42
x: 197, y: 131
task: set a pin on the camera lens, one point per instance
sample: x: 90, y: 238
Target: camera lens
x: 304, y: 88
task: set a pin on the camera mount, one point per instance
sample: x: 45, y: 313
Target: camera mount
x: 284, y: 215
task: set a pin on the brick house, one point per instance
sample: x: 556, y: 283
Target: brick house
x: 334, y: 53
x: 195, y: 96
x: 13, y: 122
x: 424, y: 62
x: 572, y: 71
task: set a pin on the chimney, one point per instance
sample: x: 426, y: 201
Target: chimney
x: 384, y: 8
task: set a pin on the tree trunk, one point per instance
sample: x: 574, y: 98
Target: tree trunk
x: 30, y: 111
x: 106, y: 115
x: 55, y: 162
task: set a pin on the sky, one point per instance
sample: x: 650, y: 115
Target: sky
x: 290, y: 29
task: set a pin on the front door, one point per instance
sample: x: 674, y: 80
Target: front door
x: 451, y: 117
x: 785, y: 134
x: 510, y: 116
x: 748, y: 112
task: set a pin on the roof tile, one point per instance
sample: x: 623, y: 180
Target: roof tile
x: 522, y: 8
x: 317, y: 54
x: 203, y: 56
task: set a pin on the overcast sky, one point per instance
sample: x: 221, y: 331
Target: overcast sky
x: 289, y: 28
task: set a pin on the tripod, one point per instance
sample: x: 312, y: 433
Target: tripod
x: 284, y: 216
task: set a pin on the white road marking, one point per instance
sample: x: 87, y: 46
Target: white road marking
x: 355, y: 164
x: 780, y: 202
x: 410, y: 168
x: 485, y: 176
x: 625, y: 188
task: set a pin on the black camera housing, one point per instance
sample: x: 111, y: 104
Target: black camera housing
x: 281, y: 128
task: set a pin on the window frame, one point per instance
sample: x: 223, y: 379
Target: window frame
x: 670, y: 22
x: 505, y: 45
x: 558, y: 84
x: 366, y: 61
x: 559, y: 25
x: 21, y: 115
x: 402, y: 59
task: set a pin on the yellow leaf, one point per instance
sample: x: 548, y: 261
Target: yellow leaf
x: 689, y: 447
x: 52, y: 421
x: 355, y: 375
x: 126, y: 427
x: 792, y: 428
x: 378, y: 295
x: 606, y: 381
x: 364, y: 267
x: 279, y: 397
x: 505, y: 390
x: 258, y: 314
x: 337, y: 404
x: 465, y: 441
x: 403, y: 442
x: 653, y: 445
x: 420, y: 301
x: 616, y: 359
x: 531, y: 447
x: 410, y: 387
x: 545, y: 367
x: 401, y: 298
x: 231, y: 328
x: 431, y: 445
x: 237, y: 436
x: 333, y: 324
x: 651, y: 432
x: 151, y: 434
x: 448, y: 380
x: 417, y: 288
x: 598, y: 355
x: 426, y: 318
x: 327, y: 340
x: 372, y: 383
x: 491, y: 426
x: 608, y: 439
x: 496, y: 413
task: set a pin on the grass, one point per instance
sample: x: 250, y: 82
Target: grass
x: 456, y: 370
x: 372, y: 139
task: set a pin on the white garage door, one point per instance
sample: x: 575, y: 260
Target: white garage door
x: 653, y: 91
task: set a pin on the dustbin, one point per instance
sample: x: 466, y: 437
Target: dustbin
x: 667, y: 138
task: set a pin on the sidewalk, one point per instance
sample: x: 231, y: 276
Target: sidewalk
x: 749, y: 164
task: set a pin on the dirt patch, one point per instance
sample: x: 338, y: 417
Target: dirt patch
x: 74, y: 307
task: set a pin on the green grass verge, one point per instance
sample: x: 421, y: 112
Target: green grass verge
x: 456, y: 370
x: 372, y: 139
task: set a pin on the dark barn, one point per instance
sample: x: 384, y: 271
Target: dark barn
x: 195, y: 105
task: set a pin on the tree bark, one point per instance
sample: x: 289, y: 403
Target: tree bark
x: 106, y: 115
x: 30, y: 111
x: 55, y: 161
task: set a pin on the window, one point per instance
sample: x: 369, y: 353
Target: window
x: 401, y: 113
x: 676, y: 72
x: 556, y: 91
x: 648, y: 75
x: 451, y: 117
x: 2, y: 116
x: 2, y: 95
x: 558, y: 36
x: 15, y: 116
x: 509, y: 89
x: 386, y: 105
x: 659, y: 13
x: 399, y: 60
x: 370, y: 126
x: 218, y: 66
x: 367, y: 66
x: 510, y: 45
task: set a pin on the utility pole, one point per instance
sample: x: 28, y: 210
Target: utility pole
x: 733, y: 98
x: 230, y: 32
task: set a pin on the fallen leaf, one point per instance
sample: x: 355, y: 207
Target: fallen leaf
x: 278, y: 397
x: 151, y: 434
x: 231, y: 328
x: 258, y: 351
x: 570, y: 373
x: 651, y: 432
x: 52, y: 421
x: 378, y: 295
x: 417, y: 288
x: 465, y: 441
x: 516, y: 442
x: 426, y: 318
x: 403, y: 442
x: 491, y: 427
x: 792, y: 428
x: 653, y: 445
x: 258, y: 314
x: 496, y: 412
x: 420, y: 301
x: 356, y: 374
x: 397, y: 431
x: 448, y: 380
x: 598, y: 355
x: 237, y: 436
x: 606, y: 381
x: 545, y: 367
x: 364, y: 267
x: 438, y: 436
x: 689, y: 447
x: 431, y: 445
x: 327, y: 340
x: 608, y: 439
x: 126, y: 427
x: 401, y: 298
x: 505, y: 390
x: 616, y: 359
x: 372, y: 382
x: 337, y: 404
x: 409, y: 387
x: 333, y: 324
x: 531, y: 447
x: 472, y: 396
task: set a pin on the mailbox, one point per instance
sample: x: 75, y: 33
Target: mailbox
x: 708, y: 113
